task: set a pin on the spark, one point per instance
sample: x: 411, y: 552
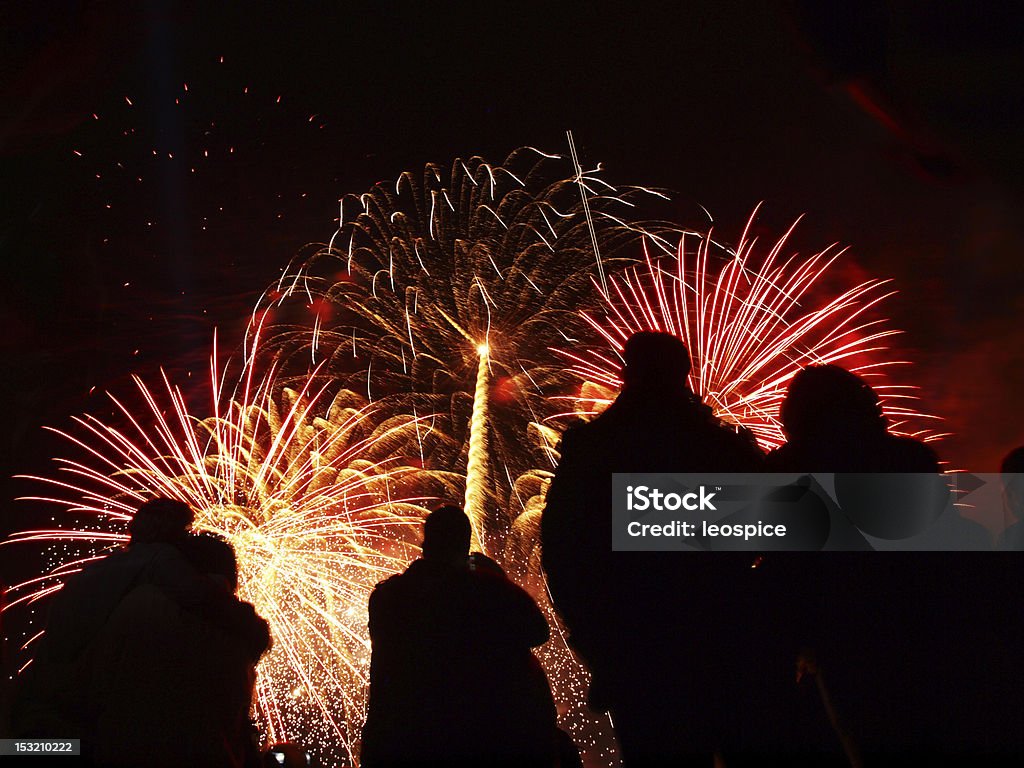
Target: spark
x: 434, y: 269
x: 312, y: 493
x: 586, y: 212
x: 455, y: 302
x: 751, y: 322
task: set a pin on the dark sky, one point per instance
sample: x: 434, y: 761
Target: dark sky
x: 895, y: 127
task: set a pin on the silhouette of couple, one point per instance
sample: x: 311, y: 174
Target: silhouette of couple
x: 694, y: 654
x: 148, y: 657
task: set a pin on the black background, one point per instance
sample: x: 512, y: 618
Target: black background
x: 725, y: 105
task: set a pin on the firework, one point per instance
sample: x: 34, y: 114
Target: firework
x: 751, y: 321
x: 449, y: 294
x: 314, y: 496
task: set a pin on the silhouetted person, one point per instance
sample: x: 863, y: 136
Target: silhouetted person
x: 51, y: 696
x: 675, y: 641
x: 902, y: 634
x: 86, y: 600
x: 528, y: 695
x: 833, y: 422
x: 448, y: 684
x: 169, y: 687
x: 1012, y: 470
x: 1003, y: 654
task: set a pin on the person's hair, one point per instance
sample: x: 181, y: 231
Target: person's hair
x: 1013, y: 462
x: 212, y: 556
x: 653, y: 359
x: 446, y: 534
x: 163, y: 520
x: 827, y: 397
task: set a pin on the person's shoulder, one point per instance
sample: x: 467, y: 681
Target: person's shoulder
x: 735, y: 433
x: 578, y: 443
x: 598, y: 435
x: 146, y: 592
x: 779, y: 459
x: 390, y: 588
x: 98, y: 572
x: 908, y: 454
x: 579, y: 430
x: 390, y: 584
x: 161, y: 562
x: 733, y: 439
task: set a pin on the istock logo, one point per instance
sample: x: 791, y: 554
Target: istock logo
x: 642, y: 498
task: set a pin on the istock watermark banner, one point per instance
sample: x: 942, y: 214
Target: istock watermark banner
x: 810, y: 512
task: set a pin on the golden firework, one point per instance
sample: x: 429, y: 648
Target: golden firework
x: 315, y: 494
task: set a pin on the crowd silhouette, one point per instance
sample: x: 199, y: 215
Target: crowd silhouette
x: 694, y: 655
x: 704, y: 658
x: 148, y: 657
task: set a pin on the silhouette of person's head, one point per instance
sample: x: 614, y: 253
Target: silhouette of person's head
x: 1012, y: 470
x: 654, y: 360
x: 446, y: 535
x: 827, y: 399
x: 212, y: 556
x: 161, y: 520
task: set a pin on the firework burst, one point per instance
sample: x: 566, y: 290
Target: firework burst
x: 751, y: 321
x: 448, y: 293
x: 315, y: 497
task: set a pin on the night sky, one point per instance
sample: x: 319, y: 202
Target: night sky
x: 161, y: 163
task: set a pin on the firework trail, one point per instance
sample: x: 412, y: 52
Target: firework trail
x: 449, y: 293
x: 313, y: 494
x: 751, y: 321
